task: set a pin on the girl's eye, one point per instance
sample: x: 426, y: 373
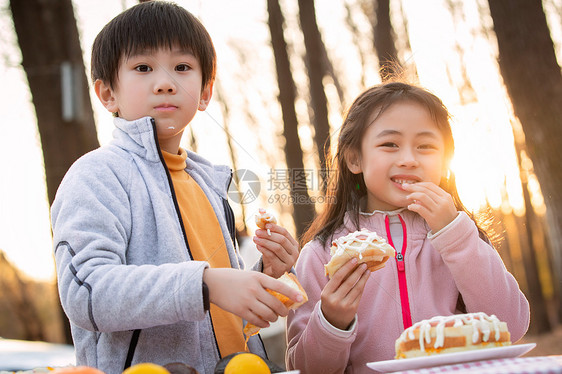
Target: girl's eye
x: 427, y: 146
x: 389, y: 145
x: 143, y: 68
x: 182, y: 67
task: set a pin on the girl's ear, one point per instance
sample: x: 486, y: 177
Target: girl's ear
x: 206, y: 95
x: 353, y: 161
x: 106, y: 96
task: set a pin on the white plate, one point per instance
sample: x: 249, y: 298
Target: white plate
x: 509, y: 351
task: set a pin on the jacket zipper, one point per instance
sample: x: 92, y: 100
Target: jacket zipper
x: 401, y: 267
x: 229, y: 215
x: 136, y: 333
x: 171, y: 185
x: 178, y: 213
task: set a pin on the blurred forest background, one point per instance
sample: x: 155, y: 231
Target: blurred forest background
x: 282, y: 104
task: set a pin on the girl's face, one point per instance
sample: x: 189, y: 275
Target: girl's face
x: 403, y: 145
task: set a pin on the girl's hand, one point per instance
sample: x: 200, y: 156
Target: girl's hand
x: 341, y: 295
x: 431, y: 202
x: 280, y: 250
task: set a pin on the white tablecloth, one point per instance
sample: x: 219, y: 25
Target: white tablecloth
x: 519, y: 365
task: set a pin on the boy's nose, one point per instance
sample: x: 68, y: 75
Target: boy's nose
x: 165, y: 84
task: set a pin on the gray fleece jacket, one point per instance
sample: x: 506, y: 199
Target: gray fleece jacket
x: 123, y: 262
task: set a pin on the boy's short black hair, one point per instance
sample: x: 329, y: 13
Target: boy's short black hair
x: 146, y: 26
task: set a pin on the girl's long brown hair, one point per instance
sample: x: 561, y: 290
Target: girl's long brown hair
x: 345, y: 189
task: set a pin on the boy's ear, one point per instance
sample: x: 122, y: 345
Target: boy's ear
x: 353, y: 161
x: 205, y: 98
x: 106, y: 96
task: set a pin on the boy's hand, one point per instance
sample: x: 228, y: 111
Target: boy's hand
x: 431, y: 202
x: 244, y: 294
x: 279, y: 250
x: 341, y: 295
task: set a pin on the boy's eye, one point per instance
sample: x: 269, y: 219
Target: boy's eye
x: 183, y: 67
x: 143, y: 68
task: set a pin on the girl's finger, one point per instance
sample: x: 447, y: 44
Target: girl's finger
x: 340, y: 275
x: 350, y: 283
x: 420, y: 186
x: 420, y: 209
x: 357, y: 291
x: 422, y: 201
x: 426, y: 196
x: 431, y: 189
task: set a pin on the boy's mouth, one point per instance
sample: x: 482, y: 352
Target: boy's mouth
x: 166, y: 107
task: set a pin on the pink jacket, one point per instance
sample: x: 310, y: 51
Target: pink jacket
x: 435, y: 269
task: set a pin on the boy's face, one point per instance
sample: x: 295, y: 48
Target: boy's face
x: 163, y: 84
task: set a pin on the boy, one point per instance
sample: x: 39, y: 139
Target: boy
x: 143, y: 233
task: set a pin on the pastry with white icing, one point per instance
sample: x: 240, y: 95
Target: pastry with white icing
x: 448, y: 334
x: 368, y: 247
x: 264, y: 217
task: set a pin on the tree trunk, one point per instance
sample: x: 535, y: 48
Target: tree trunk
x: 504, y: 246
x: 316, y: 71
x: 356, y: 37
x: 540, y: 322
x: 303, y: 209
x: 534, y: 82
x: 389, y: 65
x: 50, y: 47
x: 52, y: 60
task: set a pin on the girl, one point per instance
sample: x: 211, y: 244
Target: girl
x: 392, y: 176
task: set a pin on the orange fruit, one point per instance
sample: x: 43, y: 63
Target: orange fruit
x: 146, y: 368
x: 246, y: 363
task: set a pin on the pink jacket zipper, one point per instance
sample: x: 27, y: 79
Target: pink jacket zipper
x: 401, y: 266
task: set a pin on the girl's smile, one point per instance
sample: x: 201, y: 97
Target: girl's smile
x: 401, y: 180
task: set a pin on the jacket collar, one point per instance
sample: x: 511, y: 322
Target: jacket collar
x: 375, y: 221
x: 139, y: 137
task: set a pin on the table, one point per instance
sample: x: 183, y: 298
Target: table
x: 519, y: 365
x: 26, y: 355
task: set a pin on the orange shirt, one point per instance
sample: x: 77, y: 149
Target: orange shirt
x: 206, y: 243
